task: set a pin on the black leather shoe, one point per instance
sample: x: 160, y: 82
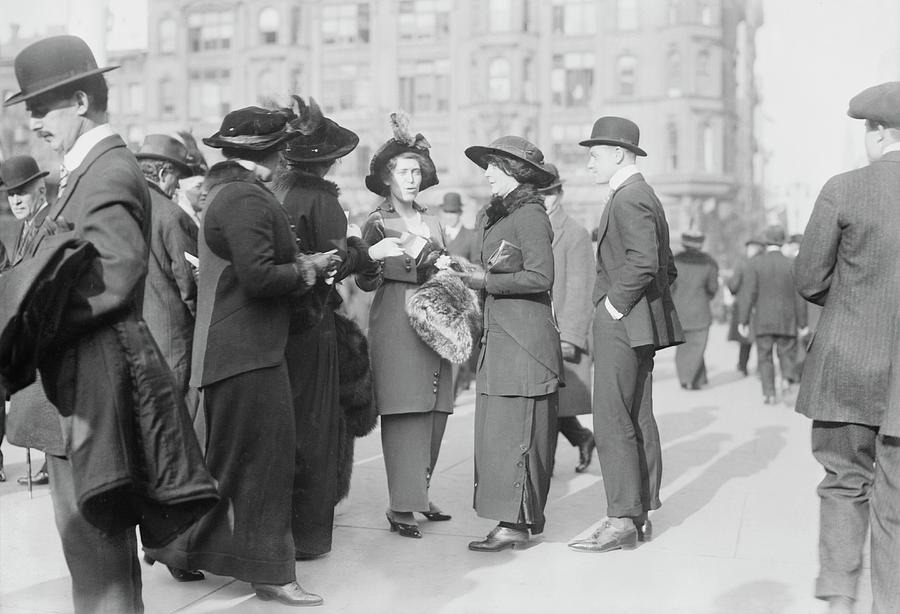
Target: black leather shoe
x: 501, y: 538
x: 288, y: 594
x: 585, y: 450
x: 405, y: 530
x: 607, y: 538
x: 181, y: 575
x: 38, y: 479
x: 435, y: 514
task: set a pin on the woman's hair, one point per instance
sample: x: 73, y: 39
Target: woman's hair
x: 518, y: 170
x: 388, y: 168
x: 319, y: 169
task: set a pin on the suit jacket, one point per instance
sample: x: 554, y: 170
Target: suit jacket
x: 697, y: 284
x: 768, y: 293
x: 520, y: 353
x: 573, y: 270
x: 847, y: 264
x: 635, y: 266
x: 247, y: 278
x: 466, y: 244
x: 170, y: 292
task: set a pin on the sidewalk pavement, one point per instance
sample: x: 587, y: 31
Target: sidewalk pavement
x: 737, y: 532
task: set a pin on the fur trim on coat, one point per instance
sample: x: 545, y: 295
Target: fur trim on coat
x: 501, y: 207
x: 288, y: 177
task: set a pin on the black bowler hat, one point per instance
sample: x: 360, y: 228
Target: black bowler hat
x: 516, y: 148
x: 166, y: 148
x: 616, y: 131
x: 402, y: 142
x: 880, y: 104
x: 254, y: 128
x: 19, y: 170
x: 452, y: 203
x: 319, y: 139
x: 50, y: 63
x: 557, y: 182
x: 774, y: 235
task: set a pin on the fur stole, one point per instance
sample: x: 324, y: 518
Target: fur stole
x: 500, y: 207
x: 288, y: 177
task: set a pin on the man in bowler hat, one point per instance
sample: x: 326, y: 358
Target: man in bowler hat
x: 849, y: 263
x: 89, y: 375
x: 461, y: 241
x: 634, y: 316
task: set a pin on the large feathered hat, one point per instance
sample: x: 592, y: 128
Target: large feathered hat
x: 319, y: 139
x: 403, y: 142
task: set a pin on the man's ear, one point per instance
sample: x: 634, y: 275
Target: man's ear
x: 83, y: 103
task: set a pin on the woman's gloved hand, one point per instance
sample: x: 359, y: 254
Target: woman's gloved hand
x: 388, y: 246
x: 317, y: 265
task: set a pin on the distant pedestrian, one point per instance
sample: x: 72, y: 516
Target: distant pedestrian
x: 768, y: 295
x: 697, y: 284
x: 752, y: 248
x: 849, y: 263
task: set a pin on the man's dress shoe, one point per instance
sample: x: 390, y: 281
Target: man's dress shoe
x: 644, y: 530
x: 607, y: 538
x: 289, y: 594
x: 2, y: 475
x: 38, y: 479
x: 501, y: 538
x: 585, y: 450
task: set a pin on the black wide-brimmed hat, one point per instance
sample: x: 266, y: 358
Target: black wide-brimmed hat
x: 402, y: 142
x: 166, y: 148
x: 254, y: 128
x: 319, y: 138
x: 616, y: 131
x: 516, y: 148
x: 557, y: 182
x: 50, y: 63
x: 19, y: 170
x: 879, y: 103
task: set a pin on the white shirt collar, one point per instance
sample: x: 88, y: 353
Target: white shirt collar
x: 616, y: 181
x: 83, y: 145
x: 890, y: 148
x: 773, y: 248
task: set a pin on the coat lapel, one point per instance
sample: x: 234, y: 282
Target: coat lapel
x: 75, y: 175
x: 604, y: 219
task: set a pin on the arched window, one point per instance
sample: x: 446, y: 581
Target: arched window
x: 672, y: 145
x: 706, y: 13
x: 168, y: 32
x: 707, y: 147
x: 268, y: 26
x: 499, y: 80
x: 626, y: 67
x: 673, y: 72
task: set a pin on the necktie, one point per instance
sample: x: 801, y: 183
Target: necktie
x: 28, y: 233
x: 63, y: 180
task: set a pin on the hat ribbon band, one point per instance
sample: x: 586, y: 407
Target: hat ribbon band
x: 51, y: 80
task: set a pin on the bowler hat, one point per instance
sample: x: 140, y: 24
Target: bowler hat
x: 557, y: 182
x: 452, y: 203
x: 253, y: 128
x: 19, y: 170
x: 616, y: 131
x: 402, y: 142
x: 516, y: 148
x: 692, y: 238
x: 50, y: 63
x: 166, y: 148
x: 774, y: 235
x: 880, y: 104
x: 319, y: 139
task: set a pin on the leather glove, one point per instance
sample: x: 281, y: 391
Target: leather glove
x: 388, y: 246
x: 317, y: 265
x: 569, y: 351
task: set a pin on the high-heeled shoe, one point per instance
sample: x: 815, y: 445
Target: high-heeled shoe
x: 405, y: 530
x: 181, y: 575
x: 435, y: 514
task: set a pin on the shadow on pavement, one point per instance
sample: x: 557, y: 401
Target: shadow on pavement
x: 753, y: 598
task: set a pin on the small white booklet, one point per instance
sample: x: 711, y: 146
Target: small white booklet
x: 192, y: 260
x: 412, y: 244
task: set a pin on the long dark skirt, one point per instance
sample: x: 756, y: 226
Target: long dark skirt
x: 514, y: 457
x: 250, y: 444
x: 312, y: 361
x: 411, y: 444
x: 689, y: 358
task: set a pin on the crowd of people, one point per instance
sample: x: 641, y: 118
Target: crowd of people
x: 174, y: 342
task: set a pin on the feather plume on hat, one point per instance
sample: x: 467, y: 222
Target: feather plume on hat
x: 309, y: 116
x: 402, y: 142
x: 400, y: 127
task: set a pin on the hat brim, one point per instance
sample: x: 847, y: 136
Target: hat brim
x: 390, y: 150
x: 218, y: 141
x: 184, y: 168
x: 25, y: 181
x: 477, y: 153
x: 346, y: 139
x: 552, y: 186
x: 23, y: 96
x: 591, y: 142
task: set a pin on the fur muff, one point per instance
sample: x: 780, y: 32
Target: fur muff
x: 446, y: 315
x: 357, y: 396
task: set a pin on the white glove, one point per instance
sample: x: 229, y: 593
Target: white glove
x: 388, y: 246
x: 743, y: 330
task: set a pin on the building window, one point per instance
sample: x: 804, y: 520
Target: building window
x: 740, y: 61
x: 135, y: 98
x: 297, y: 79
x: 499, y: 80
x: 529, y: 91
x: 706, y: 13
x: 210, y: 30
x: 166, y: 98
x: 422, y: 20
x: 526, y: 15
x: 295, y: 25
x: 425, y: 86
x: 673, y: 73
x: 673, y: 9
x: 266, y: 88
x: 209, y: 93
x: 672, y: 146
x: 168, y: 35
x: 344, y: 87
x: 565, y: 148
x: 627, y: 14
x: 703, y: 71
x: 574, y: 16
x: 572, y: 79
x: 345, y: 24
x: 706, y: 147
x: 626, y: 67
x: 499, y: 15
x: 268, y: 26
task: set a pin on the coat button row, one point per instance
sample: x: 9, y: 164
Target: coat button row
x: 517, y: 485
